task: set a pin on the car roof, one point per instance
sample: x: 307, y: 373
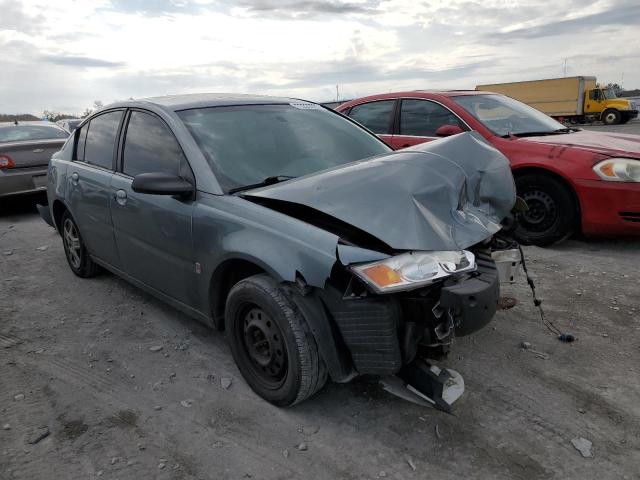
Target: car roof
x: 43, y: 123
x: 201, y: 100
x: 433, y: 94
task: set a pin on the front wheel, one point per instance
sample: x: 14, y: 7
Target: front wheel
x: 272, y: 343
x: 551, y: 216
x: 611, y: 116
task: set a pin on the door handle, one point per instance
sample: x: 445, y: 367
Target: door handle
x: 121, y: 197
x: 74, y: 178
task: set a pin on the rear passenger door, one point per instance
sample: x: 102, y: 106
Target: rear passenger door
x: 419, y: 120
x: 89, y: 183
x: 153, y: 232
x: 376, y: 116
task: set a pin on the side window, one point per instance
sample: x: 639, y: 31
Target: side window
x: 80, y: 143
x: 151, y: 147
x: 102, y: 136
x: 376, y: 116
x: 421, y: 118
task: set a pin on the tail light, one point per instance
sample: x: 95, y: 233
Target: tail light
x: 6, y: 162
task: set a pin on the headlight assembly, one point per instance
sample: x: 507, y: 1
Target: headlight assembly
x: 618, y: 170
x: 414, y: 269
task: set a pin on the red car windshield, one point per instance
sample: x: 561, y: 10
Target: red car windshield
x: 505, y: 116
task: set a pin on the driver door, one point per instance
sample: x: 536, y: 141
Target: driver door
x: 419, y: 120
x: 153, y: 232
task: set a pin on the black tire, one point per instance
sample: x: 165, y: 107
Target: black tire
x: 75, y: 250
x: 271, y: 342
x: 552, y: 214
x: 611, y: 116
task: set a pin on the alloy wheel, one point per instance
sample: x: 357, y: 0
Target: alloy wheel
x: 72, y: 244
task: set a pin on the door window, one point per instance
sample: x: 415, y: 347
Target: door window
x: 102, y: 136
x: 376, y: 116
x: 151, y: 147
x: 82, y: 137
x: 421, y: 118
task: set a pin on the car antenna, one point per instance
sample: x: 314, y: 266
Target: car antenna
x: 562, y: 336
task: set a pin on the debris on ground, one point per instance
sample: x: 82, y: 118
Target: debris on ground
x: 18, y: 397
x: 285, y: 453
x: 39, y: 435
x: 411, y: 464
x: 6, y: 426
x: 507, y: 303
x: 161, y: 465
x: 186, y: 403
x: 526, y: 345
x: 225, y: 382
x: 303, y: 447
x: 583, y: 446
x: 157, y: 407
x: 382, y: 474
x: 156, y: 348
x: 309, y: 430
x: 438, y: 431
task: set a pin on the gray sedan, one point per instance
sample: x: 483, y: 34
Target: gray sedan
x: 317, y: 249
x: 25, y: 150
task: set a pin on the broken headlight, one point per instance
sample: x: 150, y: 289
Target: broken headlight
x: 413, y: 269
x: 618, y: 170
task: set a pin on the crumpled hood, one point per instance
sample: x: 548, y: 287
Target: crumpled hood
x: 612, y: 144
x: 443, y: 195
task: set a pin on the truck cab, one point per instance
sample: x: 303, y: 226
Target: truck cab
x: 605, y: 104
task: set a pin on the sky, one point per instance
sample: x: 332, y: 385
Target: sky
x: 63, y: 55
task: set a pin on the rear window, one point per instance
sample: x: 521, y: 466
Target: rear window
x: 19, y: 133
x: 246, y: 144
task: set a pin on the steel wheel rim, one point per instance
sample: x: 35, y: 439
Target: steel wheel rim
x: 542, y: 214
x: 263, y: 345
x: 72, y: 245
x: 610, y: 118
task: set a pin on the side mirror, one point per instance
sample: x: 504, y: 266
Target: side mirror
x: 448, y: 130
x: 161, y: 184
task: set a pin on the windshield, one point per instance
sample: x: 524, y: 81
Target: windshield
x: 19, y: 133
x: 609, y: 93
x: 247, y: 144
x: 503, y: 115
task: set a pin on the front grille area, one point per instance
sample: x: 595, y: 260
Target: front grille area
x: 630, y: 216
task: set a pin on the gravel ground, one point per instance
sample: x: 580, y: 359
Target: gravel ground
x: 86, y: 392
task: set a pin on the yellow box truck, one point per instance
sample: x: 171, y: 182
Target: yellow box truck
x: 573, y: 99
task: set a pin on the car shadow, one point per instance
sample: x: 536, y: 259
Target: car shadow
x: 21, y: 205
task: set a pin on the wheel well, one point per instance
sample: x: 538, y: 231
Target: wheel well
x: 226, y: 275
x: 547, y: 173
x: 58, y: 211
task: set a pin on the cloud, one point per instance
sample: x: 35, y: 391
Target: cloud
x: 81, y: 62
x: 306, y: 8
x: 626, y: 15
x: 15, y: 18
x: 158, y: 7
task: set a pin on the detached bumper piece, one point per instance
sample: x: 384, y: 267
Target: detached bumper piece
x: 427, y: 385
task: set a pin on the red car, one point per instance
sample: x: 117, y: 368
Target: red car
x: 571, y: 179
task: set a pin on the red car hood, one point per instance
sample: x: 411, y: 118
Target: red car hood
x: 612, y: 144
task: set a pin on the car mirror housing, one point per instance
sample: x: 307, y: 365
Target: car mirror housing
x: 158, y: 183
x: 448, y: 130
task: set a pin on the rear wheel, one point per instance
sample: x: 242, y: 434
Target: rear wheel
x: 75, y: 250
x: 611, y: 116
x: 552, y: 215
x: 272, y: 343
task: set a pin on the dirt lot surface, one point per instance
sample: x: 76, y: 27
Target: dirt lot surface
x: 85, y: 392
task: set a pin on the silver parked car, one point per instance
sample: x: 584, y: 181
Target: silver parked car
x: 320, y: 251
x: 25, y: 150
x: 69, y: 124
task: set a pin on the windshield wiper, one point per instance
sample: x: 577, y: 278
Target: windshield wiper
x: 264, y: 183
x: 542, y: 133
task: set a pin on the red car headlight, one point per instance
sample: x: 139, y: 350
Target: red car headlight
x: 618, y: 170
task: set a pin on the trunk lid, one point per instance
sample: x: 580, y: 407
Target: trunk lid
x: 31, y: 153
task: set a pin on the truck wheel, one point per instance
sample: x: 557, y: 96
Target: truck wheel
x: 552, y: 215
x: 611, y: 116
x: 75, y: 250
x: 271, y: 342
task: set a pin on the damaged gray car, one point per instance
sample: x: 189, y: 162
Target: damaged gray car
x: 320, y: 252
